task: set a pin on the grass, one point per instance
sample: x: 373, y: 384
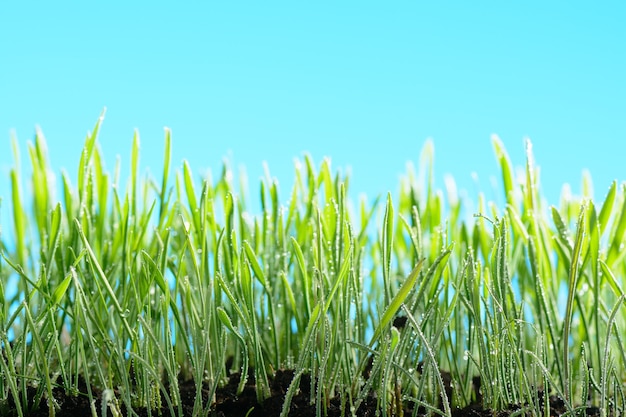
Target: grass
x: 132, y: 289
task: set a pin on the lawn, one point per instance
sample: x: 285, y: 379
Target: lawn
x: 172, y: 296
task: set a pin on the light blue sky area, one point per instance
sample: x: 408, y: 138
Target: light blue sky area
x: 362, y: 82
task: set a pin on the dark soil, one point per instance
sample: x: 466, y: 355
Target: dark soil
x: 229, y: 404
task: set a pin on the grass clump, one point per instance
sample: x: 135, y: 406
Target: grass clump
x: 403, y: 303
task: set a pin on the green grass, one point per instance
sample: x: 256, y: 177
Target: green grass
x: 172, y: 277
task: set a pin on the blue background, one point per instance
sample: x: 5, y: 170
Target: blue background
x: 365, y: 83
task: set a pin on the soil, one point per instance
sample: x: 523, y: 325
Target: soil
x: 229, y: 404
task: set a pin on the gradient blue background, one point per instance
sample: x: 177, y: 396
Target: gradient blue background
x: 365, y: 83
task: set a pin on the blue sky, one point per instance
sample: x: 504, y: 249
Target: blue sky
x: 365, y: 83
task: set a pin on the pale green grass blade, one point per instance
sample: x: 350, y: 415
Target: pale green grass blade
x: 19, y: 218
x: 55, y: 232
x: 387, y: 241
x: 60, y: 290
x: 562, y: 228
x: 306, y: 280
x: 607, y: 207
x: 619, y: 232
x: 167, y: 156
x: 41, y: 176
x: 530, y: 198
x: 572, y: 289
x: 134, y: 173
x: 191, y: 194
x: 506, y: 168
x: 396, y: 303
x: 85, y: 157
x: 616, y: 286
x: 254, y: 263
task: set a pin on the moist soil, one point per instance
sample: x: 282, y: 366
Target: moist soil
x: 229, y: 404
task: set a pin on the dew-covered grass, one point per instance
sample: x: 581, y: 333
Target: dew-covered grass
x: 173, y: 278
